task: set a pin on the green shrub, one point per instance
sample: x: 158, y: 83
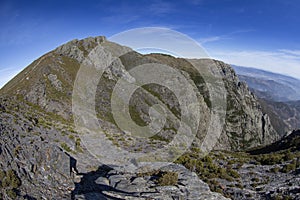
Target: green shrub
x: 168, y: 178
x: 191, y: 164
x: 10, y: 179
x: 233, y: 173
x: 275, y: 169
x: 13, y: 179
x: 78, y: 146
x: 207, y: 159
x: 71, y: 137
x: 214, y: 186
x: 230, y: 162
x: 5, y: 183
x: 288, y: 156
x: 222, y: 173
x: 2, y: 175
x: 254, y: 185
x: 78, y: 141
x: 239, y: 185
x: 269, y: 159
x: 11, y: 194
x: 183, y: 159
x: 65, y: 147
x: 289, y: 167
x: 17, y: 150
x: 281, y: 197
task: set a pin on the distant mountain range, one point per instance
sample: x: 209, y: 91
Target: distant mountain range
x: 279, y: 96
x: 269, y: 85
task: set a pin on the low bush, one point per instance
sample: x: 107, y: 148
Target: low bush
x: 289, y: 167
x: 65, y: 147
x: 167, y: 178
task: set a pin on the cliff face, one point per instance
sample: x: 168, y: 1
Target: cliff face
x: 246, y: 125
x: 36, y: 112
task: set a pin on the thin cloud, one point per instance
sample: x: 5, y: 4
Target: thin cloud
x: 223, y: 37
x: 276, y: 61
x: 161, y: 8
x: 210, y: 39
x: 242, y: 31
x: 6, y: 74
x: 126, y: 13
x: 292, y: 52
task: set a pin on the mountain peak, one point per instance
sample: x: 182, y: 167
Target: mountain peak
x: 37, y: 109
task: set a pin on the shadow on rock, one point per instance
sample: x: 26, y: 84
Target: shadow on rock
x: 92, y: 185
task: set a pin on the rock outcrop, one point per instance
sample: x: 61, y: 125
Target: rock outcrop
x: 26, y: 148
x: 118, y: 183
x: 246, y: 124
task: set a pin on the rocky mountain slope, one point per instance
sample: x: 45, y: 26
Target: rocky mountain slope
x: 48, y: 83
x: 42, y: 155
x: 284, y: 115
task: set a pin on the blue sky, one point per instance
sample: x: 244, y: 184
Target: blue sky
x: 256, y: 33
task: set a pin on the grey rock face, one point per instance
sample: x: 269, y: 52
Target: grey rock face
x: 268, y: 186
x: 246, y: 124
x: 78, y: 49
x: 44, y: 169
x: 55, y: 82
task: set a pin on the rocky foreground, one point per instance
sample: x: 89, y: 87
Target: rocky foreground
x: 34, y: 168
